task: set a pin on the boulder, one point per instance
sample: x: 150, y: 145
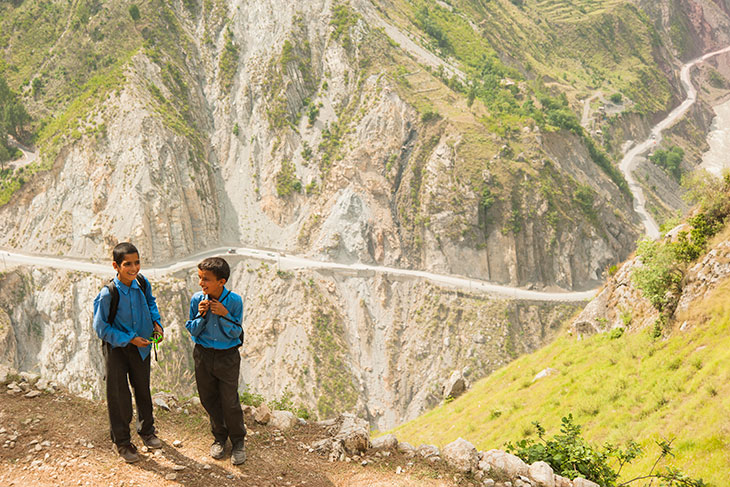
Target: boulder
x: 562, y: 481
x: 428, y: 451
x: 455, y: 386
x: 407, y: 449
x: 354, y: 434
x: 545, y: 373
x: 163, y: 400
x: 461, y: 455
x: 541, y: 474
x: 581, y: 482
x: 5, y: 372
x: 283, y: 420
x: 386, y: 442
x: 503, y: 462
x: 30, y: 377
x: 262, y: 415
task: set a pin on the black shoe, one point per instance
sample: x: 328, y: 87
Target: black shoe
x: 151, y: 441
x: 238, y: 455
x: 217, y: 450
x: 129, y: 453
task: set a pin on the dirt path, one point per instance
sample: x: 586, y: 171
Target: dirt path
x: 58, y: 439
x: 29, y: 155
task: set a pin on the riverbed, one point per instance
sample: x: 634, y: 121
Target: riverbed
x: 717, y: 158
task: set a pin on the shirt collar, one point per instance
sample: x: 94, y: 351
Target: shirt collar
x: 123, y: 287
x: 224, y: 294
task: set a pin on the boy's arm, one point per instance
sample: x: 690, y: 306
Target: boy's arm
x: 152, y: 304
x: 196, y: 323
x: 102, y: 327
x: 231, y: 323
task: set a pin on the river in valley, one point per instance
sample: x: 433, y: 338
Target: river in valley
x: 717, y: 158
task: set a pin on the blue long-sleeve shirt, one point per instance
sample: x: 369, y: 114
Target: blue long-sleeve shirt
x: 136, y: 313
x: 211, y: 330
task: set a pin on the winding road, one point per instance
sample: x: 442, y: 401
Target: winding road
x: 285, y: 261
x: 630, y: 160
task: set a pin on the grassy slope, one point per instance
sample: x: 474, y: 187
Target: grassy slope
x: 620, y: 389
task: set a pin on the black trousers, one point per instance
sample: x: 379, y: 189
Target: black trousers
x: 124, y: 366
x: 216, y: 375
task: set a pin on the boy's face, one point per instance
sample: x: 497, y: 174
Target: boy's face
x: 210, y: 284
x: 128, y: 269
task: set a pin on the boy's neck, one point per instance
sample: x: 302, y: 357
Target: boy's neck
x: 124, y: 281
x: 216, y: 296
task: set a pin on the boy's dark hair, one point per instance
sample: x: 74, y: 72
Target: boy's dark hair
x: 217, y: 265
x: 123, y: 249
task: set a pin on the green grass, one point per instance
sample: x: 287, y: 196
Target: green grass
x: 630, y: 387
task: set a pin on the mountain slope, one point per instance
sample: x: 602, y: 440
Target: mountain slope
x: 619, y: 386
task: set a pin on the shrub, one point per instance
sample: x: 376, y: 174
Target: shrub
x: 134, y: 12
x: 659, y: 275
x: 616, y: 97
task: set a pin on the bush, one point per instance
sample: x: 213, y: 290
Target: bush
x: 572, y: 456
x: 134, y: 12
x: 616, y: 97
x: 659, y: 276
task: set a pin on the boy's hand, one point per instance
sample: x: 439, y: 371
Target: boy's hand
x: 217, y: 308
x: 140, y: 342
x: 203, y: 307
x: 158, y: 330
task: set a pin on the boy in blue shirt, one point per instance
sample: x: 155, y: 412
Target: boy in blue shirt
x: 215, y: 327
x: 126, y: 347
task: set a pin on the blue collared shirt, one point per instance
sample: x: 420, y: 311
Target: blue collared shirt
x: 136, y: 314
x: 213, y: 331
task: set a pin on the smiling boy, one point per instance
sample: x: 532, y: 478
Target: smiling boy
x: 126, y: 346
x: 215, y: 327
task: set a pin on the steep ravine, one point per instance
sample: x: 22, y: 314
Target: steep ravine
x: 336, y: 343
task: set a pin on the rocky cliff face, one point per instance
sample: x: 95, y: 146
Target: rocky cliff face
x: 301, y: 126
x: 380, y: 347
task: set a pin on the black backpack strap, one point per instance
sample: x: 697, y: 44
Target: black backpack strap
x: 142, y: 281
x: 114, y: 303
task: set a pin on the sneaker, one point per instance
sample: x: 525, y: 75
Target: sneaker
x: 151, y: 441
x: 238, y: 455
x: 129, y: 453
x: 217, y: 450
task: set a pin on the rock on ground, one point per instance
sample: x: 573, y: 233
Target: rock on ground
x: 461, y: 455
x: 262, y: 415
x: 510, y: 465
x: 386, y: 442
x: 542, y: 474
x: 283, y: 420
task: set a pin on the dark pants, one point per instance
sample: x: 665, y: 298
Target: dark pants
x: 123, y: 363
x: 216, y: 375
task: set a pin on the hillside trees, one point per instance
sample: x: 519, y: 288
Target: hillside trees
x: 664, y: 262
x: 13, y: 119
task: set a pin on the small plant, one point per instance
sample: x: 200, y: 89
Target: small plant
x: 572, y: 456
x: 236, y: 130
x: 616, y: 333
x: 134, y: 12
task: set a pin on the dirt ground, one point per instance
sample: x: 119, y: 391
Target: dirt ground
x: 59, y: 439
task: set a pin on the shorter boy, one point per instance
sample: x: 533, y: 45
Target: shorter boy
x: 126, y: 347
x: 215, y: 327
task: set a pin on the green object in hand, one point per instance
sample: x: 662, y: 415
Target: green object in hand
x: 156, y: 338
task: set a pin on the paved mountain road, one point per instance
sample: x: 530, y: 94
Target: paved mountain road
x: 630, y: 160
x: 290, y: 262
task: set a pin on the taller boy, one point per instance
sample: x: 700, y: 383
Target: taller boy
x: 215, y: 326
x: 126, y: 348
